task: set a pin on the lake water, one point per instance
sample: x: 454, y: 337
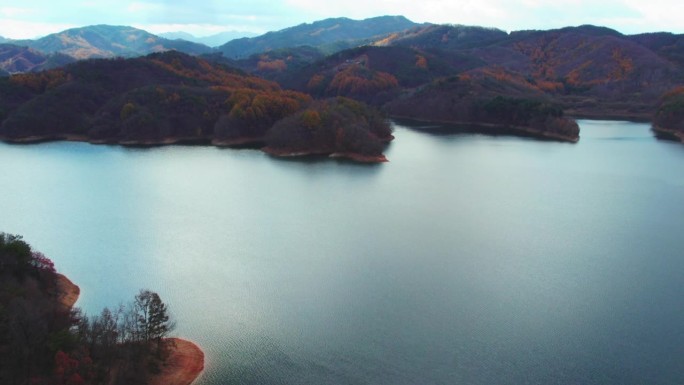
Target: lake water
x: 467, y: 259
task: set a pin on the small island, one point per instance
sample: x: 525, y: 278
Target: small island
x: 53, y: 342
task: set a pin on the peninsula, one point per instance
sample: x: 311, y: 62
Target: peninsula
x: 67, y: 346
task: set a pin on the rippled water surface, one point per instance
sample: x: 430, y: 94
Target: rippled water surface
x: 467, y: 259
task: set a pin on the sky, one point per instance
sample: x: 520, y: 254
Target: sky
x: 34, y: 18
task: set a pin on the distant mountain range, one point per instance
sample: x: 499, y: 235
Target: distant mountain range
x: 105, y: 41
x: 214, y: 40
x: 329, y: 35
x: 102, y: 41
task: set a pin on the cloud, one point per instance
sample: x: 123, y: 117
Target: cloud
x: 12, y: 12
x: 16, y: 29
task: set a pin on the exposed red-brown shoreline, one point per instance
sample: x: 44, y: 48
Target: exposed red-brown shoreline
x: 67, y: 291
x: 184, y: 363
x: 183, y: 366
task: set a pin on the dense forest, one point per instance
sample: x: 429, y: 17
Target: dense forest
x: 45, y: 341
x: 468, y: 101
x: 158, y: 99
x: 340, y: 126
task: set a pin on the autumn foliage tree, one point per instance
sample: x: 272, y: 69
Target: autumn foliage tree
x: 252, y: 113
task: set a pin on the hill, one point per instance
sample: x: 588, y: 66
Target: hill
x: 591, y: 71
x: 278, y: 65
x: 372, y: 73
x: 104, y: 41
x: 444, y: 37
x: 16, y: 59
x: 490, y: 101
x: 330, y: 35
x: 161, y: 98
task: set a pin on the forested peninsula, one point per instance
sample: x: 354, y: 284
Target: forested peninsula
x: 170, y: 98
x: 45, y: 340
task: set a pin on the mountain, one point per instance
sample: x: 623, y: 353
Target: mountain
x: 214, y: 40
x: 103, y: 41
x: 591, y: 71
x: 444, y: 37
x: 16, y: 59
x: 331, y: 35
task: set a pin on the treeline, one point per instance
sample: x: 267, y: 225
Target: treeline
x: 44, y: 342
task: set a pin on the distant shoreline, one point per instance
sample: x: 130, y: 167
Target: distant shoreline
x: 184, y: 363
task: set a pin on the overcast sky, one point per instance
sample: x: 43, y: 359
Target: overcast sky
x: 32, y: 18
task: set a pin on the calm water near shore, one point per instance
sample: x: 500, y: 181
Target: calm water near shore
x: 468, y: 259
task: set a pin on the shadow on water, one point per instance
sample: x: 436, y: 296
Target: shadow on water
x: 665, y: 136
x: 453, y: 129
x: 314, y: 159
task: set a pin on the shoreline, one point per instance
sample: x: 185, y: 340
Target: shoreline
x: 218, y: 143
x: 185, y: 361
x: 183, y: 365
x: 669, y: 133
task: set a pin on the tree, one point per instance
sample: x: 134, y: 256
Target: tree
x: 152, y: 317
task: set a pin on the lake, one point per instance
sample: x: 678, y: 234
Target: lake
x: 467, y: 259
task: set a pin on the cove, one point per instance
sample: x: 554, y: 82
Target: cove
x: 465, y: 259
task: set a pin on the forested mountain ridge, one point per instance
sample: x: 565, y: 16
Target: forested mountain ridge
x: 329, y: 35
x: 105, y: 41
x: 590, y: 70
x: 17, y: 59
